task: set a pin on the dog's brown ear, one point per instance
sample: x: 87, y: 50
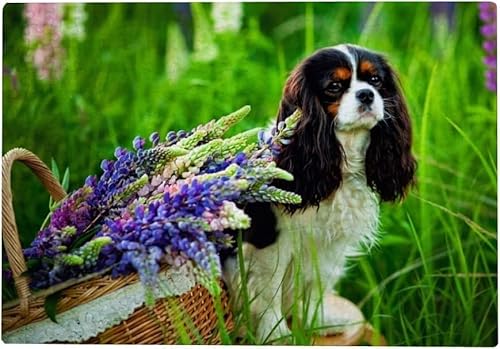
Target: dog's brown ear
x: 390, y: 165
x: 314, y: 155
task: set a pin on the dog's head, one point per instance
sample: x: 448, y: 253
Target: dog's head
x: 343, y: 89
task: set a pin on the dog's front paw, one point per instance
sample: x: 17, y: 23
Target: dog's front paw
x: 272, y: 330
x: 336, y: 315
x: 333, y: 325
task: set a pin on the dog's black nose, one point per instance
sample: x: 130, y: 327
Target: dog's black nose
x: 365, y: 96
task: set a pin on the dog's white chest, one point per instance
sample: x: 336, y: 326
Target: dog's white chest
x: 344, y: 220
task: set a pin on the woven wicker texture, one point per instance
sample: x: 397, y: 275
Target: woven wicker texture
x: 194, y: 311
x: 158, y: 325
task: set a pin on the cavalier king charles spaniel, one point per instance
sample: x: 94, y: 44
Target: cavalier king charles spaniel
x: 350, y: 150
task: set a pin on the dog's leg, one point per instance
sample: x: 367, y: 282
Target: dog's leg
x: 322, y: 313
x: 264, y: 269
x: 321, y: 316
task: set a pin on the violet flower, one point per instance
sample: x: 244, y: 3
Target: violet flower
x: 488, y: 15
x: 179, y: 200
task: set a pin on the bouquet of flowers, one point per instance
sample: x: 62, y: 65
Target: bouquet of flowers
x: 175, y: 201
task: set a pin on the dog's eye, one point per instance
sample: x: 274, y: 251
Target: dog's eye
x: 375, y: 80
x: 335, y: 87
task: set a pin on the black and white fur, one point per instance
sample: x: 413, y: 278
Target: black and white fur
x: 350, y: 150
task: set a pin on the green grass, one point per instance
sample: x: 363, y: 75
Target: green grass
x: 432, y: 280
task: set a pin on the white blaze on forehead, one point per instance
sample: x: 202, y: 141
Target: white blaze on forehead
x: 343, y: 48
x: 349, y: 116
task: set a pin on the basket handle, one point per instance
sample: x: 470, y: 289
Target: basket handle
x: 10, y: 234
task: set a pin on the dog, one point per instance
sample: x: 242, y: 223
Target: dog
x: 350, y: 150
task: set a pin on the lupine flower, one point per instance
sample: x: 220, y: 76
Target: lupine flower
x: 205, y: 49
x: 176, y: 58
x: 488, y: 15
x: 73, y: 26
x: 43, y: 38
x: 173, y: 137
x: 174, y: 202
x: 226, y: 16
x: 68, y: 222
x: 443, y: 12
x: 274, y: 140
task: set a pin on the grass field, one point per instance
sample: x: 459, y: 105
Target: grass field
x: 432, y: 280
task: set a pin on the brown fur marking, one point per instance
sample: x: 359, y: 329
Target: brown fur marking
x: 333, y: 108
x: 341, y: 74
x: 367, y: 67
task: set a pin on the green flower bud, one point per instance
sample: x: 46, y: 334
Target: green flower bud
x: 235, y: 144
x: 154, y: 160
x: 192, y: 141
x: 266, y: 174
x: 68, y: 230
x: 236, y: 217
x: 202, y: 152
x: 90, y: 251
x: 287, y: 128
x: 272, y: 171
x: 228, y: 172
x: 241, y: 184
x: 169, y: 154
x: 224, y: 123
x: 250, y: 148
x: 292, y: 120
x: 274, y: 194
x: 132, y: 188
x: 71, y: 260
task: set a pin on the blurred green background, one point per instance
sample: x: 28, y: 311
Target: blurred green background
x: 432, y: 279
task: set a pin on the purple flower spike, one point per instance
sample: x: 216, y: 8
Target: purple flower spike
x: 149, y: 217
x: 488, y: 15
x: 487, y: 11
x: 490, y: 61
x: 490, y: 46
x: 489, y: 30
x: 138, y: 143
x: 491, y: 85
x: 491, y: 80
x: 484, y: 6
x: 485, y: 16
x: 490, y: 75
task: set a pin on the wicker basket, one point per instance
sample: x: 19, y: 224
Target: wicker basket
x: 143, y: 326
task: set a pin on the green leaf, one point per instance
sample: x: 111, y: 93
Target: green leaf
x: 50, y: 305
x: 33, y: 263
x: 55, y: 172
x: 54, y: 168
x: 65, y: 180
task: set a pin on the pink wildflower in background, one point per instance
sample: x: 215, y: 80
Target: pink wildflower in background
x: 488, y: 15
x: 43, y: 37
